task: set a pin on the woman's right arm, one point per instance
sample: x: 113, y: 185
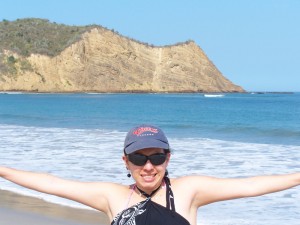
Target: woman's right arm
x: 93, y: 194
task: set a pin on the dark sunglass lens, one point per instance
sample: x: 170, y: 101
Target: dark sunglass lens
x: 140, y: 160
x: 137, y: 159
x: 157, y: 159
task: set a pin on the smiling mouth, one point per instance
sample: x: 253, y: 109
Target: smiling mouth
x: 148, y: 178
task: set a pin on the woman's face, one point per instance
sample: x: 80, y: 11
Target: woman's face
x: 148, y: 177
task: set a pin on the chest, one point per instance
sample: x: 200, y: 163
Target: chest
x: 133, y: 199
x: 148, y: 212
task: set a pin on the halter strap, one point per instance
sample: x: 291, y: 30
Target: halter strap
x: 147, y: 195
x: 169, y: 195
x: 129, y: 196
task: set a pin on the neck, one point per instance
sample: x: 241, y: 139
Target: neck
x: 150, y: 193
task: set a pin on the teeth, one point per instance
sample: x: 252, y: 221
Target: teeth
x: 148, y: 177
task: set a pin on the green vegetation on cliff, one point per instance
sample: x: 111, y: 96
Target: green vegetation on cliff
x: 40, y: 36
x: 9, y: 65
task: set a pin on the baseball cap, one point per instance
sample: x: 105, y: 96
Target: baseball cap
x: 145, y: 136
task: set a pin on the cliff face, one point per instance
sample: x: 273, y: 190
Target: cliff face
x: 103, y: 61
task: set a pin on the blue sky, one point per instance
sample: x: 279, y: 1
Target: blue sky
x: 254, y: 43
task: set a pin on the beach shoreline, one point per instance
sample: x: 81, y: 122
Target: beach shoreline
x: 18, y: 209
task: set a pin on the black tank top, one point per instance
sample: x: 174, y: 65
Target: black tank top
x: 148, y: 212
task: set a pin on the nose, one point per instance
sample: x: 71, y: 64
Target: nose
x: 148, y: 165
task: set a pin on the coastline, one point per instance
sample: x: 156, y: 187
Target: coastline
x: 120, y: 92
x: 144, y: 92
x: 18, y: 209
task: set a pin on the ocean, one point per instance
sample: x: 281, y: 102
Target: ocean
x: 80, y: 136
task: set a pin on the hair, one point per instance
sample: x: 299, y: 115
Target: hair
x: 167, y: 151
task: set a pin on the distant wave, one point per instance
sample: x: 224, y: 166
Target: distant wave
x: 11, y: 92
x: 213, y: 95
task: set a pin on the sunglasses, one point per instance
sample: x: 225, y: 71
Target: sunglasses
x: 140, y: 160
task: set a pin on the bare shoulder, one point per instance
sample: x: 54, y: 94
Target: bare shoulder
x: 191, y: 181
x: 187, y: 190
x: 111, y: 191
x: 194, y: 190
x: 116, y: 196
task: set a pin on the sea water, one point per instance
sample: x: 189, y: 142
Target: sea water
x: 80, y: 136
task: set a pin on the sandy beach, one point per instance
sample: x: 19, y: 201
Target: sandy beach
x: 17, y: 209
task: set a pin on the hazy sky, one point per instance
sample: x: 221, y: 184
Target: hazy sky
x: 254, y: 43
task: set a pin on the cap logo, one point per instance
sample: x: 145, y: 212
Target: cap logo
x: 141, y: 130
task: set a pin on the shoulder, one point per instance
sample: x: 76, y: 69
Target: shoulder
x: 113, y: 197
x: 187, y: 191
x: 193, y: 180
x: 111, y: 189
x: 196, y: 189
x: 204, y: 189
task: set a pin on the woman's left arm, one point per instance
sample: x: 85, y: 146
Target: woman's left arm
x: 210, y: 189
x: 260, y: 185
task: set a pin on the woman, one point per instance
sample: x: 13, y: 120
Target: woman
x: 153, y: 198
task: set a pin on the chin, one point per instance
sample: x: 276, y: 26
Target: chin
x: 150, y: 182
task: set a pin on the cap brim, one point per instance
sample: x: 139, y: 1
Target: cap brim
x: 141, y: 144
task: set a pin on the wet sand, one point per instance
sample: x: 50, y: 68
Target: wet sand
x: 17, y: 209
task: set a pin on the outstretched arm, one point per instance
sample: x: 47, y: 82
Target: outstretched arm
x: 91, y: 194
x: 209, y: 189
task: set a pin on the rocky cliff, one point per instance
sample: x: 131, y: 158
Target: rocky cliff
x: 103, y: 61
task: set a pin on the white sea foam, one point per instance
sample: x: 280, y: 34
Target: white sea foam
x: 213, y: 95
x: 11, y: 92
x: 95, y: 155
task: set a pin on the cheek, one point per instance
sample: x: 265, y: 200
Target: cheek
x: 162, y: 168
x: 134, y: 169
